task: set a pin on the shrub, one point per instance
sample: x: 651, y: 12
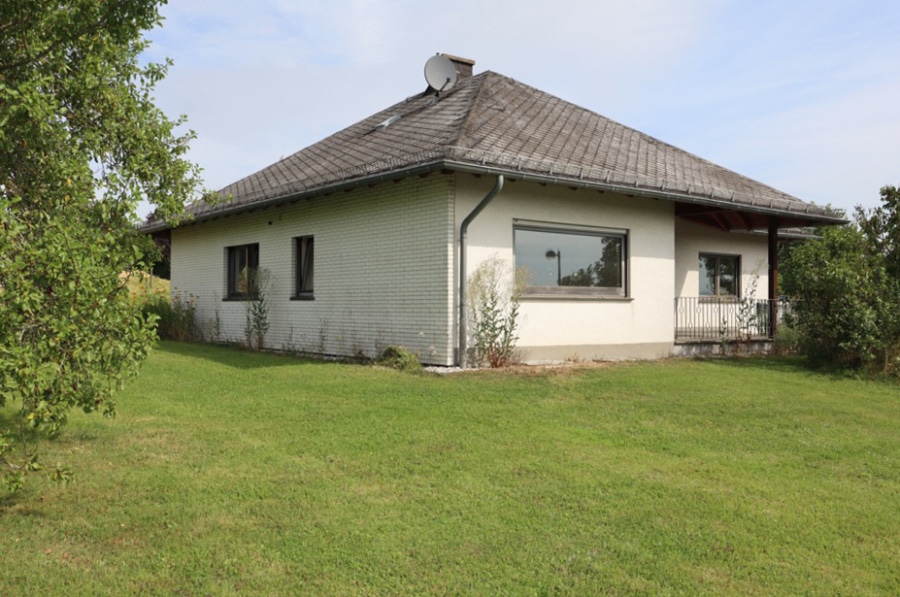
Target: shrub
x: 256, y: 324
x: 175, y: 317
x: 787, y: 340
x: 847, y: 312
x: 493, y: 297
x: 397, y: 357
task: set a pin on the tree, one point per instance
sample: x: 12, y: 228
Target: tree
x: 81, y: 144
x: 845, y: 291
x: 881, y: 226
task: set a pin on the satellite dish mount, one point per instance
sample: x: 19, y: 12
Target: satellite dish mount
x: 440, y: 72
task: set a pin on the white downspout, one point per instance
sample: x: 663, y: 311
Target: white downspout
x: 463, y: 234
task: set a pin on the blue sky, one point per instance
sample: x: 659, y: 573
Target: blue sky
x: 801, y: 95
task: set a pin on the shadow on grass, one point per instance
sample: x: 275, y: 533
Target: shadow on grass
x: 792, y: 365
x: 238, y: 357
x: 10, y: 423
x: 12, y: 502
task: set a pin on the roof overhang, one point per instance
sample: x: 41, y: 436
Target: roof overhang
x: 708, y: 210
x: 221, y: 208
x: 728, y: 218
x: 723, y: 214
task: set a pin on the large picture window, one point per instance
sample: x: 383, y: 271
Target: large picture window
x: 720, y: 275
x: 303, y: 277
x: 243, y: 265
x: 563, y: 261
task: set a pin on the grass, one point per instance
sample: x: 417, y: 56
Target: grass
x: 229, y: 472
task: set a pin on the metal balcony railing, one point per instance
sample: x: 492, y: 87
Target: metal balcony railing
x: 711, y: 318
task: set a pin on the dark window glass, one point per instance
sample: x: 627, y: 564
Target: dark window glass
x: 304, y: 260
x: 243, y: 264
x: 719, y: 275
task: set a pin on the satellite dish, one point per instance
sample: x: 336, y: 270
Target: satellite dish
x: 440, y: 73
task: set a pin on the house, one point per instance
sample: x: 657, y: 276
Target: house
x: 634, y: 248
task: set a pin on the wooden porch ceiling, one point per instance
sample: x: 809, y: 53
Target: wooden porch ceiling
x: 726, y: 219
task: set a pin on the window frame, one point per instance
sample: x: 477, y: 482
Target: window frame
x: 304, y: 267
x: 717, y: 294
x: 250, y: 253
x: 622, y: 291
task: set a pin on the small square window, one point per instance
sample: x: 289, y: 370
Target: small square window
x: 720, y: 275
x: 243, y: 265
x: 304, y: 262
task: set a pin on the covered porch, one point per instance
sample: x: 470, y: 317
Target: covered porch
x: 742, y: 314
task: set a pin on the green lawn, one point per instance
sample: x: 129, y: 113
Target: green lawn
x: 230, y: 472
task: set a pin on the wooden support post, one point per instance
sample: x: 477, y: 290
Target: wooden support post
x: 773, y: 276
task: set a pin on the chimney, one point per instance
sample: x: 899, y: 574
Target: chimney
x: 463, y: 65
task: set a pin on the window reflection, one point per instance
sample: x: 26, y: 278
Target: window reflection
x: 243, y: 262
x: 719, y: 275
x: 571, y: 262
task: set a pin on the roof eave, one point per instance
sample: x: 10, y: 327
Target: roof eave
x: 810, y: 214
x: 292, y: 197
x: 818, y: 215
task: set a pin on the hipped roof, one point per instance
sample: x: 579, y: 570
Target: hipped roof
x: 492, y: 124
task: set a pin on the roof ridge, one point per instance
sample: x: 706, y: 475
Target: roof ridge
x: 473, y: 101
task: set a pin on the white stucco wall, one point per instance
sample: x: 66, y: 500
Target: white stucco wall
x: 692, y: 239
x: 640, y: 325
x: 386, y: 258
x: 383, y: 270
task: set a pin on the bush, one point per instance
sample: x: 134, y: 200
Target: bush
x: 847, y: 307
x: 175, y: 317
x: 787, y: 340
x: 256, y: 323
x: 493, y: 296
x: 397, y: 357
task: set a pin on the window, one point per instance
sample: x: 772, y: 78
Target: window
x: 571, y: 261
x: 303, y: 260
x: 720, y: 275
x: 243, y: 263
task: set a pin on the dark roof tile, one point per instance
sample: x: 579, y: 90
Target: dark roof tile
x: 493, y: 121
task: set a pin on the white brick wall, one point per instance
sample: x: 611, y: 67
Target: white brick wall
x: 383, y: 270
